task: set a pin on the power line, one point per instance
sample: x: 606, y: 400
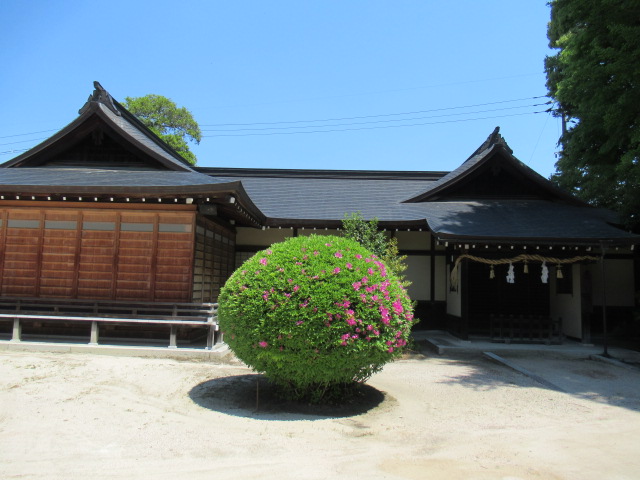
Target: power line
x: 9, y: 152
x: 23, y: 141
x: 31, y: 133
x: 377, y: 121
x: 373, y: 128
x: 373, y: 116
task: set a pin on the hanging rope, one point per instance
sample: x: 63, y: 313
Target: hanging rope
x: 525, y: 257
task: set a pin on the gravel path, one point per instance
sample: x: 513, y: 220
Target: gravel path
x: 79, y: 416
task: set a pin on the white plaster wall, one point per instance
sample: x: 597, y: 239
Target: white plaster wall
x: 418, y: 272
x: 454, y: 298
x: 413, y: 240
x: 310, y: 231
x: 567, y: 306
x: 619, y: 280
x: 259, y: 237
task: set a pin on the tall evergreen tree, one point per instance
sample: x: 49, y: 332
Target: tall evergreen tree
x: 595, y: 80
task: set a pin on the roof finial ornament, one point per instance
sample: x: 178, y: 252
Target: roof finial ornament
x: 100, y: 95
x: 494, y: 139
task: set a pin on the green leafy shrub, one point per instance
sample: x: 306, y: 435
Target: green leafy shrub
x: 315, y: 314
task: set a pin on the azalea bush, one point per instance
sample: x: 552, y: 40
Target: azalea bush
x: 315, y: 314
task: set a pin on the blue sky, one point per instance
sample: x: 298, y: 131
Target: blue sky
x: 448, y: 73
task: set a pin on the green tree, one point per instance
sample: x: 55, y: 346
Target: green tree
x: 367, y: 234
x: 175, y: 125
x: 594, y: 78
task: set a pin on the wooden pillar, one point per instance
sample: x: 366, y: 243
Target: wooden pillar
x: 463, y: 283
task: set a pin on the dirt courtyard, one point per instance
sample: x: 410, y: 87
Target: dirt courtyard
x: 86, y: 416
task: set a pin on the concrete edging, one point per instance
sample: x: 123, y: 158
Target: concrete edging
x: 116, y: 350
x: 523, y: 371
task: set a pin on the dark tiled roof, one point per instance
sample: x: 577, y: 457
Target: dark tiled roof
x: 318, y: 198
x: 534, y: 220
x: 144, y: 137
x: 91, y: 177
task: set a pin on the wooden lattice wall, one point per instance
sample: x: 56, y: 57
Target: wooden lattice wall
x: 97, y: 252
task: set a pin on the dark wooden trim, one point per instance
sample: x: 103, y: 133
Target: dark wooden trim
x: 432, y: 273
x: 423, y: 252
x: 464, y: 299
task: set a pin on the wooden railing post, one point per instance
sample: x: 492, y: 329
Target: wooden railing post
x: 17, y: 330
x: 95, y: 331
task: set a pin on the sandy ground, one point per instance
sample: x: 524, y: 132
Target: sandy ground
x: 81, y: 416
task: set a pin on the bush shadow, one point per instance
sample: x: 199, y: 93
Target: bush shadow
x: 254, y: 396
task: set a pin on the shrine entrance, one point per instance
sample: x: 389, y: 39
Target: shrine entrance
x: 527, y: 295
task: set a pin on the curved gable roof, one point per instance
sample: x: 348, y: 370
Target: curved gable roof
x: 100, y: 111
x: 494, y: 152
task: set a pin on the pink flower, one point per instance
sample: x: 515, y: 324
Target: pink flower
x: 397, y: 307
x: 263, y: 344
x: 371, y: 271
x: 338, y: 254
x: 296, y: 288
x: 390, y: 350
x: 263, y: 261
x: 345, y: 336
x: 349, y: 266
x: 351, y: 321
x: 356, y: 286
x: 358, y: 256
x: 268, y: 252
x: 327, y: 244
x: 369, y: 327
x: 316, y: 252
x: 336, y: 270
x: 365, y: 279
x: 299, y: 322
